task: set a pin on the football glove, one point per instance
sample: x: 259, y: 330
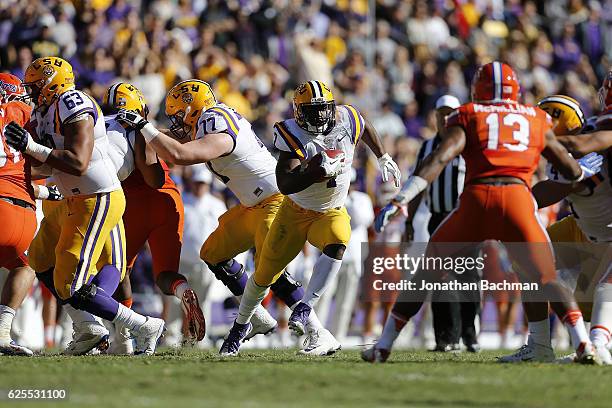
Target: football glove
x: 50, y: 193
x: 16, y: 137
x: 387, y: 213
x: 131, y: 119
x: 590, y: 165
x: 332, y: 166
x: 389, y: 167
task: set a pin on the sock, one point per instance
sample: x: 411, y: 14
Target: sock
x: 575, y: 325
x: 393, y: 327
x: 107, y: 278
x: 49, y: 336
x: 128, y: 318
x: 127, y: 303
x: 7, y: 315
x: 179, y: 288
x: 81, y: 316
x: 252, y: 297
x: 101, y: 305
x: 539, y: 332
x: 325, y: 269
x: 313, y: 322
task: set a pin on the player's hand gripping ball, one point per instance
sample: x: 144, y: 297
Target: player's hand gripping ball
x: 328, y: 163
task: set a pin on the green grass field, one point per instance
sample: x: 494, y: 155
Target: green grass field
x: 282, y: 378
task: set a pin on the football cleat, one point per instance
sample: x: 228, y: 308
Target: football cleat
x: 86, y: 337
x: 299, y: 318
x: 603, y: 353
x: 236, y: 335
x: 530, y: 352
x: 586, y: 354
x: 374, y: 354
x: 194, y: 317
x: 147, y: 336
x: 10, y: 348
x: 320, y: 343
x: 263, y: 323
x: 123, y: 343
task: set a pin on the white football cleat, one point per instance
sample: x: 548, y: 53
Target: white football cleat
x: 263, y: 323
x: 586, y: 354
x: 320, y: 343
x: 604, y: 354
x: 86, y: 337
x: 147, y: 336
x: 8, y: 347
x: 122, y: 343
x: 530, y: 352
x: 374, y: 354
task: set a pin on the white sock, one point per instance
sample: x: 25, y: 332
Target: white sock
x: 81, y: 316
x: 324, y: 271
x: 7, y: 315
x: 601, y: 320
x: 49, y: 334
x: 393, y: 327
x: 539, y: 332
x: 180, y: 289
x: 129, y: 318
x: 251, y: 298
x: 575, y: 325
x: 313, y: 323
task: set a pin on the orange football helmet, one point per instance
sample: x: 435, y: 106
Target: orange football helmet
x: 495, y: 82
x: 11, y: 88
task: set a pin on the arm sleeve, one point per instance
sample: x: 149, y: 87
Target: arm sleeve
x: 457, y: 117
x: 280, y: 141
x: 355, y: 121
x: 73, y: 104
x: 217, y: 120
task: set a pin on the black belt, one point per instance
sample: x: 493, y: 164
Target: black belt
x: 18, y: 202
x: 496, y: 182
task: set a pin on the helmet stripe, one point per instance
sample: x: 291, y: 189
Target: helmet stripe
x: 112, y: 93
x: 313, y: 88
x: 319, y: 87
x: 497, y: 80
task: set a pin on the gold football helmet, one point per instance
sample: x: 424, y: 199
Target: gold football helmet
x: 123, y: 95
x: 47, y: 78
x: 566, y: 113
x: 185, y: 103
x: 314, y: 107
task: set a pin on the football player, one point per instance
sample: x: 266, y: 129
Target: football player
x: 501, y: 141
x: 70, y: 127
x: 217, y: 135
x: 17, y: 212
x: 313, y: 172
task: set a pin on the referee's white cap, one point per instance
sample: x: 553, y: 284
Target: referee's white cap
x: 447, y: 101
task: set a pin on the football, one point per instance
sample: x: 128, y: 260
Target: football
x: 317, y: 159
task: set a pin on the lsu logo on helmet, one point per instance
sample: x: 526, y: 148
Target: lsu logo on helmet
x: 565, y: 112
x: 185, y: 103
x: 314, y: 107
x: 123, y: 95
x: 47, y: 78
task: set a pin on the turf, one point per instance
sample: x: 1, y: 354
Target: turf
x: 281, y: 378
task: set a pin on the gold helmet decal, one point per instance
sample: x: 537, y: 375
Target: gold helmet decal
x: 185, y: 103
x: 123, y: 95
x: 566, y: 113
x: 314, y: 107
x: 47, y: 78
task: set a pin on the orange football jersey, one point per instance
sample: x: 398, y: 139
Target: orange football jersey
x: 14, y: 172
x: 136, y: 182
x: 502, y: 139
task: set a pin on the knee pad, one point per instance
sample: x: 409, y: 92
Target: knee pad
x: 231, y: 274
x: 288, y: 289
x: 83, y: 296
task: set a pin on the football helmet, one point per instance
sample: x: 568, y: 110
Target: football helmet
x: 495, y: 82
x: 605, y: 92
x: 47, y: 78
x: 11, y: 88
x: 123, y: 95
x: 185, y: 103
x: 314, y: 107
x: 565, y: 112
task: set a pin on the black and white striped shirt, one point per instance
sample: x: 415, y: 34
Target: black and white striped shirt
x: 445, y: 190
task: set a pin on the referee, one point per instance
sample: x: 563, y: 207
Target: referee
x: 452, y: 318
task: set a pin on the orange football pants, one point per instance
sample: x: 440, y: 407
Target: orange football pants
x: 16, y: 232
x: 158, y: 217
x: 506, y: 213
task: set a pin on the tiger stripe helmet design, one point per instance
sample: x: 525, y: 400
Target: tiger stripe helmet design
x: 314, y: 107
x: 47, y: 78
x: 123, y: 95
x: 566, y: 113
x: 605, y: 92
x: 495, y: 82
x: 185, y: 103
x: 11, y: 88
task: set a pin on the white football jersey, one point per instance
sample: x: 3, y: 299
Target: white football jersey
x: 289, y: 137
x: 122, y: 144
x: 249, y: 170
x: 100, y: 176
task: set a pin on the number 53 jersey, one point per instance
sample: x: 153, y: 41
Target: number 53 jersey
x: 73, y: 106
x: 502, y: 139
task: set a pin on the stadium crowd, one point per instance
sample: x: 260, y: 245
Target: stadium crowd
x: 392, y: 67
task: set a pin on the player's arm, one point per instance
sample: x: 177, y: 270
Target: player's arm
x: 579, y: 145
x: 292, y: 178
x: 148, y: 163
x: 559, y: 157
x: 549, y: 192
x: 387, y: 165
